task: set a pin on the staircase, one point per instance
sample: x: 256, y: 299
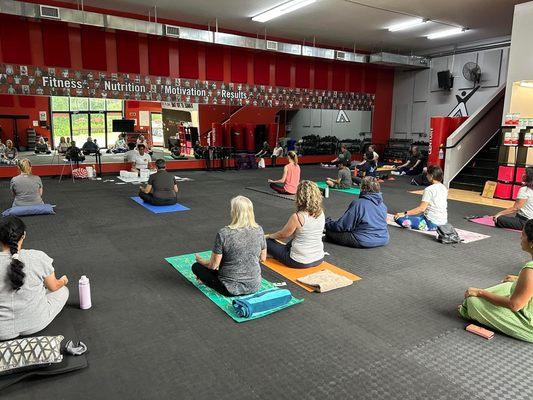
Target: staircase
x: 483, y: 167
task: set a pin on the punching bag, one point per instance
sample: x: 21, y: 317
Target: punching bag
x: 272, y: 134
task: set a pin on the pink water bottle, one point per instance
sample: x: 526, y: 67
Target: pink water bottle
x: 85, y: 293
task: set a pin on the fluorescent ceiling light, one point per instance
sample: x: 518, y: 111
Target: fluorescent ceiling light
x: 527, y: 84
x: 281, y: 10
x: 406, y: 25
x: 446, y: 33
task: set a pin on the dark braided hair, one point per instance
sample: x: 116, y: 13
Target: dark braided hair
x: 528, y: 230
x: 11, y: 231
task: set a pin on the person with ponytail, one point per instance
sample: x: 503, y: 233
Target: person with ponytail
x: 30, y: 294
x: 291, y: 176
x: 26, y: 187
x: 305, y: 227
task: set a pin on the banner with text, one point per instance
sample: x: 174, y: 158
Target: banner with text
x: 31, y: 80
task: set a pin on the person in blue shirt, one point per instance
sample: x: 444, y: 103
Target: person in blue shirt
x: 364, y: 224
x: 367, y: 168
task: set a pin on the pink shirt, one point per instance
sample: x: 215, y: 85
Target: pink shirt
x: 293, y: 178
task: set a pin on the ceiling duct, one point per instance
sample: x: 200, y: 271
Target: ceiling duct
x: 318, y: 52
x: 399, y: 60
x: 229, y: 39
x: 31, y: 10
x: 196, y: 34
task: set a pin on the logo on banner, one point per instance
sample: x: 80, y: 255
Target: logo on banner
x: 342, y: 117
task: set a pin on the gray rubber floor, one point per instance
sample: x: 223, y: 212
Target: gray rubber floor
x: 393, y: 335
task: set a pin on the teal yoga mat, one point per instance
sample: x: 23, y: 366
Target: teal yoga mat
x: 354, y: 190
x: 183, y: 264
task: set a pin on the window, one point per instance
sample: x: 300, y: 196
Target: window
x: 80, y: 117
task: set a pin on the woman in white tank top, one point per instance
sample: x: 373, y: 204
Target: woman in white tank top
x: 306, y: 226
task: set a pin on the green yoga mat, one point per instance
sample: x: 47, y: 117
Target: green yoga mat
x: 354, y: 190
x: 183, y: 264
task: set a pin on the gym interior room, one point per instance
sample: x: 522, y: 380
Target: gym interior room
x: 275, y: 199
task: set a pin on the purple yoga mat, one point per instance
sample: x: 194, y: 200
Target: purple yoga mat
x: 488, y: 221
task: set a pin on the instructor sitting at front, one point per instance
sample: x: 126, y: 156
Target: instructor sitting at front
x: 161, y: 189
x: 141, y: 160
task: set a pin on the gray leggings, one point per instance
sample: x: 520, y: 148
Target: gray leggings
x: 55, y: 301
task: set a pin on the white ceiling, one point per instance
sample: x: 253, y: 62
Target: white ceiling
x: 341, y: 22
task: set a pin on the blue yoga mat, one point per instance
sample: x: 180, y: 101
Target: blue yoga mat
x: 160, y: 209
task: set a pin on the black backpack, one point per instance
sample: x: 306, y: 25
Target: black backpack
x: 447, y: 234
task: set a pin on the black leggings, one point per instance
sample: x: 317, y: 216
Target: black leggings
x: 279, y: 187
x: 282, y: 253
x: 150, y: 199
x: 209, y: 277
x: 342, y: 239
x: 517, y: 222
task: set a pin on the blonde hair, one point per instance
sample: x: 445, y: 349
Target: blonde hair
x: 293, y: 156
x: 9, y: 142
x: 242, y: 213
x: 309, y: 199
x: 25, y: 166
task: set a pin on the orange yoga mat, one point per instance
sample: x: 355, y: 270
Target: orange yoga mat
x: 294, y: 273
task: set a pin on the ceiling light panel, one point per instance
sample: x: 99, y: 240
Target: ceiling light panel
x: 282, y: 9
x: 446, y: 33
x: 407, y: 25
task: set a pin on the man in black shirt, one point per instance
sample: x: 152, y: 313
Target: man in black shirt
x: 89, y: 147
x: 161, y: 189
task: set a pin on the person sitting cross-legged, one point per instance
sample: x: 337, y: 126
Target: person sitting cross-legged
x: 30, y: 294
x: 522, y: 207
x: 41, y: 147
x: 291, y: 176
x: 364, y: 224
x: 234, y: 268
x: 344, y: 177
x: 433, y: 209
x: 508, y: 306
x: 305, y: 226
x: 161, y: 189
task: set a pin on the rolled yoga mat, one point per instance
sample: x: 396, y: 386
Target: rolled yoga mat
x: 248, y: 306
x: 352, y: 190
x: 293, y: 274
x: 183, y: 264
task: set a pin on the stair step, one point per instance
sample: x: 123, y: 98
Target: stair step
x: 467, y: 186
x: 476, y: 170
x: 465, y: 178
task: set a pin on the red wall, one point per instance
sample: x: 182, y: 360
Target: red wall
x: 50, y: 43
x: 23, y: 105
x: 133, y: 108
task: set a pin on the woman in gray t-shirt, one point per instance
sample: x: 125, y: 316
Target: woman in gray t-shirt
x: 30, y: 294
x: 234, y: 268
x: 27, y: 188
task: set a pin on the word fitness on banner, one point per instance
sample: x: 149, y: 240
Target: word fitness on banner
x: 31, y: 80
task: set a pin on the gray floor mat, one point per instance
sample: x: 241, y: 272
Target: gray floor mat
x: 480, y: 365
x: 152, y: 336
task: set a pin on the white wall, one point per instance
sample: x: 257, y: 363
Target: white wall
x: 330, y: 123
x: 521, y: 55
x: 417, y: 98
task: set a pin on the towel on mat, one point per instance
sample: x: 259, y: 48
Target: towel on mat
x: 325, y: 280
x: 247, y: 306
